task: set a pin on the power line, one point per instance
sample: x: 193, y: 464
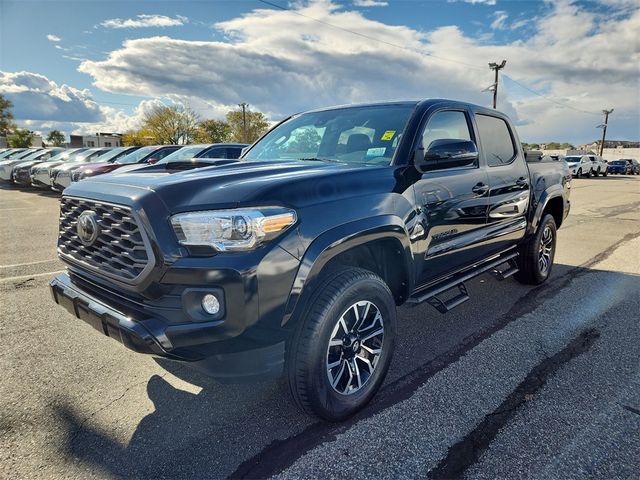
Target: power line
x: 562, y: 104
x: 295, y: 12
x: 359, y: 34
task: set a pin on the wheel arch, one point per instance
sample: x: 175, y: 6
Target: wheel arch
x: 380, y: 244
x: 552, y: 201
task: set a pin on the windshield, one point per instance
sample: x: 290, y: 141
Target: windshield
x: 572, y: 159
x: 185, y: 153
x: 35, y: 155
x: 361, y: 135
x: 619, y: 162
x: 66, y: 155
x: 135, y: 157
x: 110, y: 154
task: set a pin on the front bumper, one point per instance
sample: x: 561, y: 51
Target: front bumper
x: 5, y: 172
x: 149, y: 334
x: 41, y: 179
x: 61, y: 180
x: 21, y: 176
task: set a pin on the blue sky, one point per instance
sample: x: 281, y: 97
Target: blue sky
x: 84, y: 65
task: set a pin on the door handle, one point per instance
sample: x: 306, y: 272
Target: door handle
x: 522, y: 182
x: 480, y: 188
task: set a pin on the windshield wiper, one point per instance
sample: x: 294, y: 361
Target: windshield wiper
x: 316, y: 159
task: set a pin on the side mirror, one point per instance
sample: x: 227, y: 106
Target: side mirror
x: 446, y: 153
x: 152, y: 160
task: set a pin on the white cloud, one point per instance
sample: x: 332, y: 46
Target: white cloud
x: 476, y: 2
x: 145, y: 21
x: 499, y: 19
x: 35, y: 97
x: 369, y: 3
x: 53, y: 38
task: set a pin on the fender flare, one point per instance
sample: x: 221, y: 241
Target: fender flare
x: 340, y: 239
x: 549, y: 194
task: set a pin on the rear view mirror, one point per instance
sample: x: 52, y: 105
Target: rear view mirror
x: 446, y: 153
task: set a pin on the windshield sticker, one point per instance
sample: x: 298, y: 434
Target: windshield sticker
x: 376, y: 152
x: 388, y: 135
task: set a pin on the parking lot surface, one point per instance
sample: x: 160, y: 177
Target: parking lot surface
x: 538, y: 382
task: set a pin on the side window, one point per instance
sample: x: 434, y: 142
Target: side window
x: 215, y: 153
x: 162, y: 153
x: 444, y: 126
x: 497, y: 143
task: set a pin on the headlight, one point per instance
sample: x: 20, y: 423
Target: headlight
x: 232, y: 230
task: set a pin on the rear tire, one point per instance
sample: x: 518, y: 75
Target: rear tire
x: 536, y: 255
x: 337, y: 328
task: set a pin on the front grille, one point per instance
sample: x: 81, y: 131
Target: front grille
x: 120, y: 249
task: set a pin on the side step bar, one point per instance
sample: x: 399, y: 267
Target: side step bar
x: 432, y: 295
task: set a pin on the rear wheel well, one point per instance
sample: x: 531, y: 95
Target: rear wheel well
x: 555, y: 207
x: 383, y: 257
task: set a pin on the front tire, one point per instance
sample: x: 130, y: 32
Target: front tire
x: 536, y: 255
x: 342, y: 348
x: 579, y: 174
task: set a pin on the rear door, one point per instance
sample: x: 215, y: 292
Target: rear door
x: 508, y: 174
x: 452, y: 201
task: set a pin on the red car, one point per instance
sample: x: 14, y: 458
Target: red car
x: 148, y: 155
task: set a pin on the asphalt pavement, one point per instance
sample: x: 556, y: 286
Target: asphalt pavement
x: 519, y: 382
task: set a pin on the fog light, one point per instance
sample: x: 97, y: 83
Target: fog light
x: 210, y: 304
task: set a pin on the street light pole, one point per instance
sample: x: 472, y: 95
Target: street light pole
x: 494, y: 66
x: 244, y: 105
x: 604, y: 128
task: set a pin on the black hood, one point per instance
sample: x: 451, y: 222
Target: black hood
x: 240, y: 184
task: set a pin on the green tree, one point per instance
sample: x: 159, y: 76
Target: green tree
x: 56, y: 138
x: 175, y: 124
x: 21, y: 138
x: 6, y: 117
x: 306, y: 141
x: 213, y: 131
x: 256, y: 126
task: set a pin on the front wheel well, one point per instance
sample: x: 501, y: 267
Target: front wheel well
x: 385, y: 258
x: 555, y: 207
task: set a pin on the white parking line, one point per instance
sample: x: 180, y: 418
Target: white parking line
x: 26, y: 277
x: 27, y: 263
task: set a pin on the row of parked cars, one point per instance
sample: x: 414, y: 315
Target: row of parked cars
x: 594, y: 165
x: 56, y: 168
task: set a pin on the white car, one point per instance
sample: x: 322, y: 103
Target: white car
x: 580, y: 165
x: 598, y: 165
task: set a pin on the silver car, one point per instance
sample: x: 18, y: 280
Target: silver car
x: 39, y: 173
x: 60, y: 175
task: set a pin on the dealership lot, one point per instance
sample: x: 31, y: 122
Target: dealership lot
x: 540, y: 381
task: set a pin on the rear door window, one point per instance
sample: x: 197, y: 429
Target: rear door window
x: 497, y: 142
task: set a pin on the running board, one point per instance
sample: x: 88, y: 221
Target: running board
x: 432, y: 295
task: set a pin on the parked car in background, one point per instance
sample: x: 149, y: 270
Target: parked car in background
x: 635, y: 166
x: 40, y: 173
x: 60, y: 175
x: 598, y: 165
x: 213, y: 150
x: 24, y: 165
x: 9, y: 152
x: 144, y: 155
x: 620, y: 167
x: 579, y: 165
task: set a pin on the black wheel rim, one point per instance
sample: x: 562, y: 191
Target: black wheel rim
x: 355, y: 347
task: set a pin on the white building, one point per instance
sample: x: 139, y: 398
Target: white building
x: 97, y: 140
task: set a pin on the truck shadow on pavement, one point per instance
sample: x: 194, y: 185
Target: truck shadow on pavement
x: 254, y: 430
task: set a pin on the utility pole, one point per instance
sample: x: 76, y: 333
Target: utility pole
x: 244, y: 105
x: 494, y: 66
x: 604, y: 128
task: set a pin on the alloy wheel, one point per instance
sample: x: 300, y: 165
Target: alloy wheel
x: 546, y: 250
x: 355, y: 347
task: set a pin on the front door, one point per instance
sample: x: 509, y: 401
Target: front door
x: 452, y: 202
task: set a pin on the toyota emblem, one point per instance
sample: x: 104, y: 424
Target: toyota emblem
x: 87, y: 228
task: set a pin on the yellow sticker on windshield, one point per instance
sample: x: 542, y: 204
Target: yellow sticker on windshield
x: 388, y: 135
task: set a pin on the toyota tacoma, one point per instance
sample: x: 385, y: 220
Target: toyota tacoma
x: 294, y: 258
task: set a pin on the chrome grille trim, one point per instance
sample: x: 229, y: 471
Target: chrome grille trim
x: 122, y: 250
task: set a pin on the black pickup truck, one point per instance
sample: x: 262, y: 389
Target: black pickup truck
x: 294, y: 258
